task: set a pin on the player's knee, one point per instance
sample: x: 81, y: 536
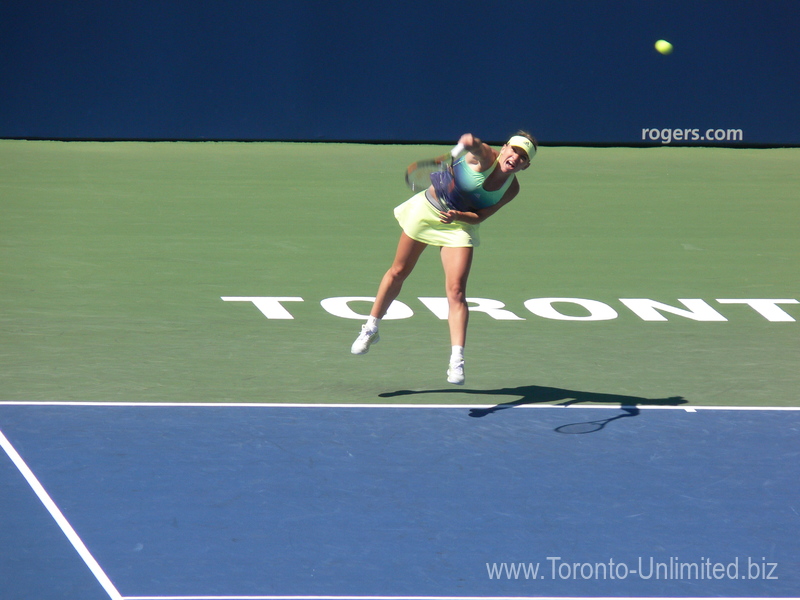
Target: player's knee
x: 456, y: 293
x: 399, y: 272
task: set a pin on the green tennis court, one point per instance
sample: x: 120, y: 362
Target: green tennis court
x: 116, y: 258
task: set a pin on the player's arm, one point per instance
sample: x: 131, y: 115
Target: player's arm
x: 480, y: 155
x: 478, y: 216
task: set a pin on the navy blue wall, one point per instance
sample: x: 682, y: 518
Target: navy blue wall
x: 570, y: 71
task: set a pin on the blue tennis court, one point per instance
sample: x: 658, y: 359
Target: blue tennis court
x: 400, y: 501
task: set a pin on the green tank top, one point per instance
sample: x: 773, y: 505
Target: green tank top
x: 470, y: 184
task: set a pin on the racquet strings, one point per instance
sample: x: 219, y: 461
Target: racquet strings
x: 418, y: 174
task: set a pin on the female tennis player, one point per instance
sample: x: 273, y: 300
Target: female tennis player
x: 448, y: 216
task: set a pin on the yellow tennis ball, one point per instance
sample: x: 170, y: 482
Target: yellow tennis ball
x: 664, y: 47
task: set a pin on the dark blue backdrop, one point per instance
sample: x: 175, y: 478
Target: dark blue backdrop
x: 570, y: 71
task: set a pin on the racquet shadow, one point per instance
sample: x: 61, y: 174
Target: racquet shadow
x: 536, y: 394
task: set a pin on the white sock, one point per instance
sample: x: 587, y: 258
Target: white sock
x: 373, y: 322
x: 457, y: 354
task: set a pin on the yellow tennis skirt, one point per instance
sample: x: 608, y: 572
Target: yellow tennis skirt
x: 420, y: 221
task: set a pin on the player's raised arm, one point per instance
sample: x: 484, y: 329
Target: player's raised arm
x: 480, y: 154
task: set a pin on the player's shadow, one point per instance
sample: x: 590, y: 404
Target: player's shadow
x: 536, y: 394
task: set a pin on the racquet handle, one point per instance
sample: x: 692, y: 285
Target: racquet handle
x: 457, y: 150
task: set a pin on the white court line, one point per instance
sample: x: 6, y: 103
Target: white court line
x: 690, y: 408
x: 431, y: 598
x: 62, y: 522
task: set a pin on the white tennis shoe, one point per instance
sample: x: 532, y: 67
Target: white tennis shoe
x: 455, y: 373
x: 365, y: 339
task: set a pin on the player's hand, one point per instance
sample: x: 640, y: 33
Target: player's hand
x: 469, y: 141
x: 448, y: 216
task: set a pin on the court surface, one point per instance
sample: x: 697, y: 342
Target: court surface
x: 175, y: 327
x: 271, y: 501
x: 116, y: 257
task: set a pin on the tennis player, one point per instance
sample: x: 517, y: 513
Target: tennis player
x: 447, y: 215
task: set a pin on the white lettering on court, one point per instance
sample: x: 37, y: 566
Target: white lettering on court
x: 270, y: 306
x: 339, y: 307
x: 493, y: 308
x: 645, y: 308
x: 767, y: 308
x: 543, y: 307
x: 648, y: 310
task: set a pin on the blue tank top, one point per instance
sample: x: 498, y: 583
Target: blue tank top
x: 463, y: 188
x: 470, y: 184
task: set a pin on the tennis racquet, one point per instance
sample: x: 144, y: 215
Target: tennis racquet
x: 418, y: 174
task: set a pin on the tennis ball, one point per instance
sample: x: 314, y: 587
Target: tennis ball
x: 664, y: 47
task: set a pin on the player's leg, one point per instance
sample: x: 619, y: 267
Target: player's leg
x: 457, y: 263
x: 406, y: 257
